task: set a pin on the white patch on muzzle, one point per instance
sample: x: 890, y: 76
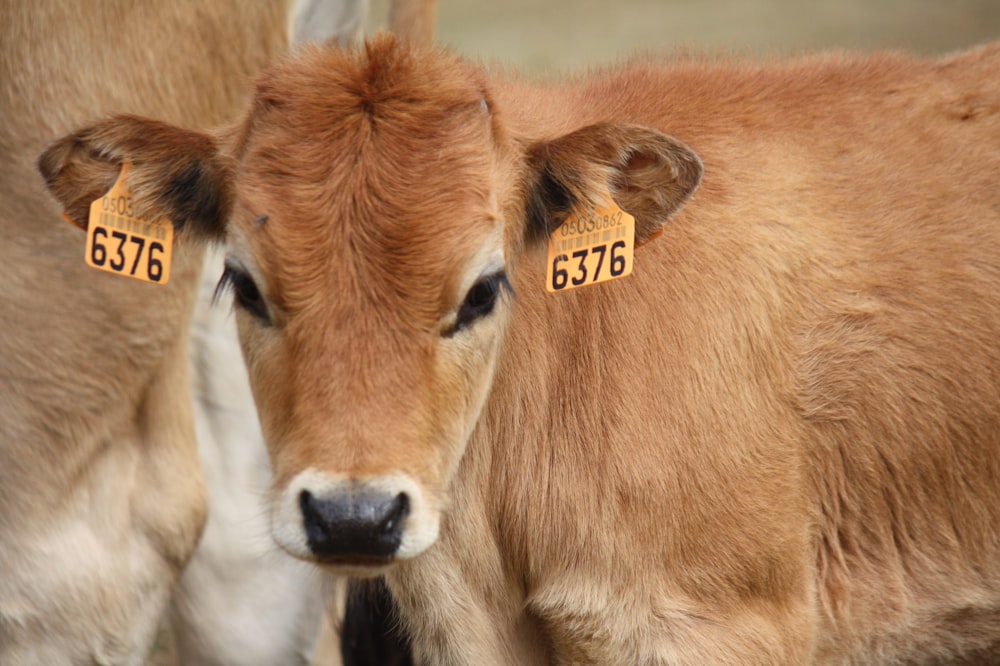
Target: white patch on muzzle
x: 420, y: 528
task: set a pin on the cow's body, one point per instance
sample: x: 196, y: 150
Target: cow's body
x: 775, y: 442
x: 781, y: 436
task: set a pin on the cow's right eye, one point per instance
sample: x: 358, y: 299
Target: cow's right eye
x: 480, y: 300
x: 245, y: 292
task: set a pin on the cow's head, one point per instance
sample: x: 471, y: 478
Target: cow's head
x: 374, y: 204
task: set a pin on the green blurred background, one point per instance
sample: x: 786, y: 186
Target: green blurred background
x: 544, y: 35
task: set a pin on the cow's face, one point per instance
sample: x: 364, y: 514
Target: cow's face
x: 369, y: 269
x: 374, y: 205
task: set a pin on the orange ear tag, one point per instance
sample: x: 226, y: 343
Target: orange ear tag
x: 590, y: 247
x: 121, y: 243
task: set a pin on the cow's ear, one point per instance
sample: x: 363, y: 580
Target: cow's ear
x: 649, y: 174
x: 175, y: 173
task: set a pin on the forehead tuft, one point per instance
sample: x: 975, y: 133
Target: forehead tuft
x: 376, y: 159
x: 327, y: 91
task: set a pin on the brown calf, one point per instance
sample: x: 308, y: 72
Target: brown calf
x: 775, y: 442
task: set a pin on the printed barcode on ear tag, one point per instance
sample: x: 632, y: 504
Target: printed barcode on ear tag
x: 591, y: 247
x: 121, y: 243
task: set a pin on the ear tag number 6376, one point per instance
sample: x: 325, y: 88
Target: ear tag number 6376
x: 591, y: 247
x: 121, y: 243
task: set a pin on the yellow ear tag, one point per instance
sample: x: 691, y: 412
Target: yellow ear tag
x: 590, y: 247
x: 121, y: 243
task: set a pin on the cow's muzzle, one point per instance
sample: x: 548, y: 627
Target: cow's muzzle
x: 356, y: 526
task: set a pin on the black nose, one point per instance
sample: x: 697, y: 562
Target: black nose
x: 354, y: 525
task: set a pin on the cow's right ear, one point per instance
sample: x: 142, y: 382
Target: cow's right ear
x: 648, y: 173
x: 175, y: 173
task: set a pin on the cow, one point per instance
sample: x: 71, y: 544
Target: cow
x: 774, y: 442
x: 102, y: 499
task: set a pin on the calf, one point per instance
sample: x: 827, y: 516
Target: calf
x: 776, y: 441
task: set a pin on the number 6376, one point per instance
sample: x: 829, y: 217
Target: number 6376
x: 111, y: 250
x: 573, y: 268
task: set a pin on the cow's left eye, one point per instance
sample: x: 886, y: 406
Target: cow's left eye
x: 480, y: 300
x: 245, y: 291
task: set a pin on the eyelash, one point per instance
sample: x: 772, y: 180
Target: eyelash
x: 245, y: 292
x: 480, y: 301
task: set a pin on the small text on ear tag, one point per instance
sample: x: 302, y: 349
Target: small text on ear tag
x: 590, y: 247
x: 121, y: 243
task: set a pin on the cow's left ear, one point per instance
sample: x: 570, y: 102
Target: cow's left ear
x: 649, y: 174
x: 175, y: 173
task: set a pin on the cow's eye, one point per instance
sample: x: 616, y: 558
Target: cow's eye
x: 245, y: 292
x: 480, y: 300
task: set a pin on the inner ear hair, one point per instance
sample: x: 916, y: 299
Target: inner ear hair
x: 655, y: 181
x: 648, y: 173
x: 76, y: 175
x: 176, y: 173
x: 563, y: 179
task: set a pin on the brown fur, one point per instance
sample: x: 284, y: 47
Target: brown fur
x: 776, y: 442
x: 101, y: 495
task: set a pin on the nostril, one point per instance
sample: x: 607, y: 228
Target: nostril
x: 305, y: 503
x: 310, y: 510
x: 397, y: 512
x: 316, y: 526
